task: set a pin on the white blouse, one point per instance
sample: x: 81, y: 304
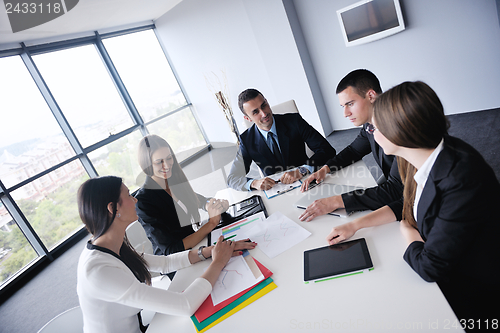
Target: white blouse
x: 423, y: 173
x: 111, y: 296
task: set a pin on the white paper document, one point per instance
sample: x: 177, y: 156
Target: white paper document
x: 277, y: 234
x: 236, y: 277
x: 280, y: 188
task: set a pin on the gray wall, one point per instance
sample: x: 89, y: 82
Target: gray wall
x: 453, y: 45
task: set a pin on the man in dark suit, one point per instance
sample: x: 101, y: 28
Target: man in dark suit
x: 276, y: 144
x: 357, y: 92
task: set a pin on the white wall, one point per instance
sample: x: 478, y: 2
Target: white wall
x: 453, y: 45
x: 251, y: 41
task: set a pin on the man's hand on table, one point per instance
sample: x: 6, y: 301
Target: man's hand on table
x: 290, y: 177
x: 318, y: 176
x: 321, y: 207
x: 341, y: 233
x: 263, y: 184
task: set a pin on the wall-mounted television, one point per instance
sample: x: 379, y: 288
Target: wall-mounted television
x: 369, y: 20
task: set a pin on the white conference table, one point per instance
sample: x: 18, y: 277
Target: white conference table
x: 391, y: 297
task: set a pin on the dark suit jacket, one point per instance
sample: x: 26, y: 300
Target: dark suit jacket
x: 458, y: 219
x: 388, y: 193
x: 293, y: 131
x: 164, y: 221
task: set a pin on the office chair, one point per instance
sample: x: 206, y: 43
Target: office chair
x: 138, y: 238
x: 70, y: 321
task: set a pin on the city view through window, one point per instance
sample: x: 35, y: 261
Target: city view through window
x: 42, y: 163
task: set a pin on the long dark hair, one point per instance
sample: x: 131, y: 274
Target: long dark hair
x: 410, y: 115
x: 178, y: 182
x: 94, y: 196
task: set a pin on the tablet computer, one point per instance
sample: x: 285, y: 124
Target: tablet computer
x: 343, y: 259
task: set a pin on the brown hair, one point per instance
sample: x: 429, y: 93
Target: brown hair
x: 410, y: 115
x: 247, y: 95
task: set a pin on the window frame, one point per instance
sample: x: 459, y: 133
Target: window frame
x: 26, y: 52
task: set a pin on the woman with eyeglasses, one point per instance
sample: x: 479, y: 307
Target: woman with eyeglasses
x: 450, y: 218
x: 168, y: 207
x: 114, y: 282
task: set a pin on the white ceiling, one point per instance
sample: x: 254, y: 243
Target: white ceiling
x: 85, y: 18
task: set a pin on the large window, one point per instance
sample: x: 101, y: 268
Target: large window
x: 31, y: 140
x: 84, y: 92
x: 74, y: 110
x: 141, y: 64
x: 119, y: 158
x: 15, y: 250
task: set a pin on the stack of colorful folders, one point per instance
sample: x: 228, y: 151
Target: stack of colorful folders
x: 209, y: 315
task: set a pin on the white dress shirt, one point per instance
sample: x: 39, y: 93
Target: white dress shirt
x: 423, y: 173
x: 111, y: 296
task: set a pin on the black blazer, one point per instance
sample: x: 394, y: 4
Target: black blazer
x: 293, y: 131
x: 164, y: 221
x: 459, y: 221
x: 388, y: 193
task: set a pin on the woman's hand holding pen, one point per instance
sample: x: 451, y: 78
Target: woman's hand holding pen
x: 244, y: 244
x: 221, y: 252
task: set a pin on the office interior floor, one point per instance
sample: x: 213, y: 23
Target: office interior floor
x: 53, y: 290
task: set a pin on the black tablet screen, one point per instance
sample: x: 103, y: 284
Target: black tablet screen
x: 336, y: 259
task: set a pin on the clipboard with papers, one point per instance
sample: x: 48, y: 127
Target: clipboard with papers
x: 280, y: 188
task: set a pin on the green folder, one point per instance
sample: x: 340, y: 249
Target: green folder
x: 200, y: 326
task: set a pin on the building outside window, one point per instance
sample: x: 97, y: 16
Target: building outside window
x: 74, y: 110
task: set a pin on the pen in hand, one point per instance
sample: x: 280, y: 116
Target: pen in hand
x: 225, y: 239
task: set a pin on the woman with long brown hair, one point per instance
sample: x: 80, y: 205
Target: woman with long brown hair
x: 450, y: 194
x: 167, y: 205
x: 114, y: 283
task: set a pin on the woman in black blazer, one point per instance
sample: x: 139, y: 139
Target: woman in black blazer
x: 450, y: 217
x: 167, y: 206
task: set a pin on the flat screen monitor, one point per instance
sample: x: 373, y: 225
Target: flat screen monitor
x: 369, y: 20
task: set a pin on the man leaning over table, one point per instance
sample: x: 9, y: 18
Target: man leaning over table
x: 275, y: 143
x: 357, y: 92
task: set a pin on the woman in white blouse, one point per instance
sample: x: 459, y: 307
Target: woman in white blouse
x: 114, y: 280
x: 450, y: 206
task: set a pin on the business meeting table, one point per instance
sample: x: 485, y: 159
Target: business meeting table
x: 391, y: 297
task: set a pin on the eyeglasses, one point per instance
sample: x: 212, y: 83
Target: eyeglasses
x: 370, y: 128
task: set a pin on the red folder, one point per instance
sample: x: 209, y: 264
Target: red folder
x: 207, y: 308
